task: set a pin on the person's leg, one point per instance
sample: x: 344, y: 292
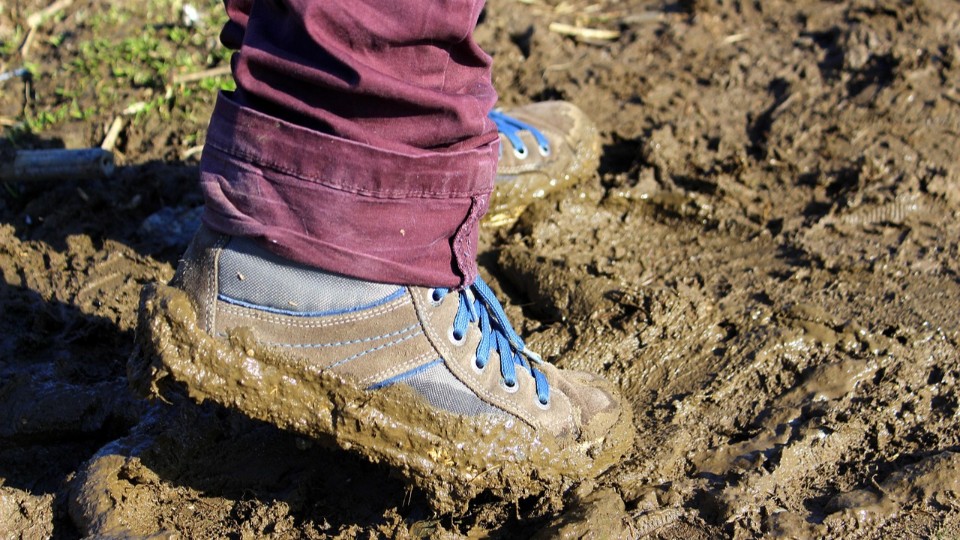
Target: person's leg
x: 326, y: 258
x: 358, y: 139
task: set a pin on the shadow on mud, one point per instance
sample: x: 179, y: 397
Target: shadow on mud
x: 152, y: 207
x: 225, y: 470
x: 62, y: 390
x: 68, y: 408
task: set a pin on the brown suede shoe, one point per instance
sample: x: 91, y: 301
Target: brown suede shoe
x: 543, y: 147
x: 431, y: 381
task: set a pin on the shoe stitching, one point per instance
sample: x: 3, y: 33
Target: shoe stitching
x: 291, y: 324
x: 326, y: 322
x: 316, y: 312
x: 375, y: 349
x: 551, y: 422
x: 474, y: 383
x: 213, y: 284
x: 571, y: 417
x: 396, y: 370
x: 341, y: 343
x: 503, y: 402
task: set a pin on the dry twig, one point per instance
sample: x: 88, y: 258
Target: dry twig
x: 184, y: 78
x: 582, y: 33
x: 110, y: 141
x: 36, y: 19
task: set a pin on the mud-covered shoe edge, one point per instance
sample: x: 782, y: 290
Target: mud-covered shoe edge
x: 428, y: 448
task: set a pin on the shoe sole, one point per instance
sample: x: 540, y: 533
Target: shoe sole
x: 451, y: 458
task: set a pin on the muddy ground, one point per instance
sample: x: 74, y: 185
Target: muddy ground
x: 768, y: 263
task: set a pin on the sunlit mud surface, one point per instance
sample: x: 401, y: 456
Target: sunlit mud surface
x: 768, y: 264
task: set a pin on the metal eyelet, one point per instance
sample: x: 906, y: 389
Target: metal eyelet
x: 451, y: 335
x: 543, y: 406
x: 544, y: 150
x: 510, y: 389
x: 475, y: 364
x: 521, y: 152
x: 432, y: 295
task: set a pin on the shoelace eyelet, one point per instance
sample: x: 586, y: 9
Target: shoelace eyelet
x: 477, y: 366
x: 542, y: 405
x: 479, y: 307
x: 508, y: 388
x: 452, y: 336
x: 521, y: 152
x: 544, y: 150
x: 435, y: 297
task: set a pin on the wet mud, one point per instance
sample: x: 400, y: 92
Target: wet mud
x: 767, y: 264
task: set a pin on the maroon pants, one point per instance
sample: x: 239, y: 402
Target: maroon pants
x: 357, y: 140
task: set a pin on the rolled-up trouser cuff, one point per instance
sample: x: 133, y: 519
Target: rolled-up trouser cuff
x: 344, y: 206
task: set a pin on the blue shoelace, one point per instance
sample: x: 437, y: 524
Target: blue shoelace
x: 479, y: 305
x: 511, y: 128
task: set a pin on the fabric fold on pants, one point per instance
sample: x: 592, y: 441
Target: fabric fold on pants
x: 357, y: 140
x: 345, y: 206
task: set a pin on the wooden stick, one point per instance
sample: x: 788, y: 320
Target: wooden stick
x: 37, y: 18
x: 110, y: 141
x: 40, y: 165
x: 27, y: 42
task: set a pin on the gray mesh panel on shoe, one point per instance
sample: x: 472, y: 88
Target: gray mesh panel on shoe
x: 251, y: 274
x: 444, y: 391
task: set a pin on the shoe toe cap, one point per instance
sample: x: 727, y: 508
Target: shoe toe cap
x: 597, y: 404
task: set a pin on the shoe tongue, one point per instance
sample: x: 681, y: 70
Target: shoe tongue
x: 250, y: 274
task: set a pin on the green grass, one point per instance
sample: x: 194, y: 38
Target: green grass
x: 117, y: 55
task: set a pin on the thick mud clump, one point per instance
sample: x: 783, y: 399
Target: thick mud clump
x: 767, y: 264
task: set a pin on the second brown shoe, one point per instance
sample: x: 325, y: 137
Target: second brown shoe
x: 543, y: 147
